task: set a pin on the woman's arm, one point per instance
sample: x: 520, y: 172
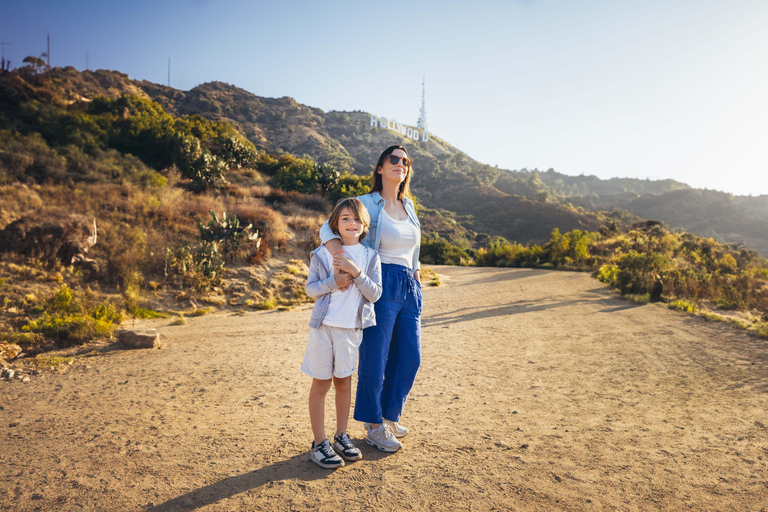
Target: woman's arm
x: 332, y: 242
x: 343, y: 279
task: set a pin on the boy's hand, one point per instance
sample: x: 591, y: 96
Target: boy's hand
x: 341, y: 262
x: 342, y: 278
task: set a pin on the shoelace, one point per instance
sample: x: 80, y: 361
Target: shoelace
x: 326, y: 450
x: 388, y: 431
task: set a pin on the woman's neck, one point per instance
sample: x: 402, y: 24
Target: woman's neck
x: 389, y: 192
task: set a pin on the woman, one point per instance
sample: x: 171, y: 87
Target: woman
x: 390, y: 353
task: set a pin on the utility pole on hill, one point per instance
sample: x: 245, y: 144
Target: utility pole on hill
x: 48, y: 53
x: 2, y: 52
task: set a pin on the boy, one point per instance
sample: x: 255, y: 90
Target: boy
x: 335, y: 330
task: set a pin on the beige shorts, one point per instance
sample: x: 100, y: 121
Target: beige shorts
x: 331, y: 351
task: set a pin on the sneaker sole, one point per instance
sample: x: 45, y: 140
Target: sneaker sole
x: 327, y: 466
x: 340, y: 451
x: 384, y: 449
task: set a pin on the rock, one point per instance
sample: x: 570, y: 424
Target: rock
x: 7, y: 373
x: 52, y: 235
x: 145, y: 338
x: 9, y: 350
x: 25, y: 379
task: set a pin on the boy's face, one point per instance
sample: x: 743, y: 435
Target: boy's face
x: 350, y: 227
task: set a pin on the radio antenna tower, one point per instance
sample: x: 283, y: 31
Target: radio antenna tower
x: 422, y: 124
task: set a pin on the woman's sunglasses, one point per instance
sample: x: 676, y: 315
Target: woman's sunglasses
x: 394, y: 160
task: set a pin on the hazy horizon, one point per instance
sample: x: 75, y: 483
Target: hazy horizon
x: 663, y: 90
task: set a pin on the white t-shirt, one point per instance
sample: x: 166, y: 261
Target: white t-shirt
x: 398, y: 240
x: 344, y: 306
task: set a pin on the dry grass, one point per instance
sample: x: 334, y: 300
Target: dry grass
x: 269, y: 223
x: 200, y: 205
x: 261, y: 191
x: 137, y: 224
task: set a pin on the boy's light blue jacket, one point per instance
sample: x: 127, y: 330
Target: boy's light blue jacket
x: 375, y: 205
x: 320, y: 284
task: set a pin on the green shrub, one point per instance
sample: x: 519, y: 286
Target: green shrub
x: 68, y: 320
x: 266, y: 304
x: 148, y: 313
x: 438, y: 251
x: 26, y: 340
x: 761, y: 329
x: 70, y: 330
x: 682, y: 305
x: 608, y: 274
x: 44, y: 362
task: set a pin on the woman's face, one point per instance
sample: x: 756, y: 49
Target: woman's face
x: 394, y: 172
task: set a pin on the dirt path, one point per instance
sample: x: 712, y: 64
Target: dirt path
x: 539, y: 391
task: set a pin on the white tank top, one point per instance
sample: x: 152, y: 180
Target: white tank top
x: 398, y: 240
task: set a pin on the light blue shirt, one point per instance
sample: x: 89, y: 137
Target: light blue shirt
x: 374, y: 203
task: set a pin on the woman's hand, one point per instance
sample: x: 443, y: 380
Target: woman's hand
x: 417, y: 275
x: 341, y: 262
x: 342, y: 278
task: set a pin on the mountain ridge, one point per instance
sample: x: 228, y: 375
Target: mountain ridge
x: 522, y: 205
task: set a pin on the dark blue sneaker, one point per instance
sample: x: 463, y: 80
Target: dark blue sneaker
x: 346, y: 448
x: 324, y: 456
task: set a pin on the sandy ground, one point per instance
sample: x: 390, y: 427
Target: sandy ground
x: 539, y: 390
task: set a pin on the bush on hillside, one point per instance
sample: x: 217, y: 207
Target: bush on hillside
x: 71, y: 318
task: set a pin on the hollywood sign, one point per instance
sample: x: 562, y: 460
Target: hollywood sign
x: 406, y: 131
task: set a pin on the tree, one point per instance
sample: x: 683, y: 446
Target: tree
x: 327, y: 177
x: 36, y: 63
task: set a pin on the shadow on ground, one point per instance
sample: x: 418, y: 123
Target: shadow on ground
x: 520, y: 307
x: 297, y: 467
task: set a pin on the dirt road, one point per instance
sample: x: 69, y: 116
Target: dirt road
x: 539, y: 390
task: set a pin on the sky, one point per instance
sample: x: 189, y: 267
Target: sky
x: 613, y: 88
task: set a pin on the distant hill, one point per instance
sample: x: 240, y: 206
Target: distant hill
x: 522, y: 205
x: 733, y: 219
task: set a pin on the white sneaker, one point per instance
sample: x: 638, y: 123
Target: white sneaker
x: 382, y: 438
x: 397, y: 429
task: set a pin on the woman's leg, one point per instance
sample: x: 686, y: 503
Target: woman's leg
x: 404, y: 357
x: 317, y: 408
x: 374, y: 350
x: 372, y: 360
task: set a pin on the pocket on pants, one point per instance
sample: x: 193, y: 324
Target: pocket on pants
x: 419, y: 297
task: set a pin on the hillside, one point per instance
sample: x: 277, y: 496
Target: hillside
x: 519, y: 205
x: 123, y: 198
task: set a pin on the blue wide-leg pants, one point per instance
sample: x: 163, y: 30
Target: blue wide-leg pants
x: 390, y: 354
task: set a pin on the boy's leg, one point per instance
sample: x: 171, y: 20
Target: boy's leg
x: 317, y: 408
x: 343, y: 387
